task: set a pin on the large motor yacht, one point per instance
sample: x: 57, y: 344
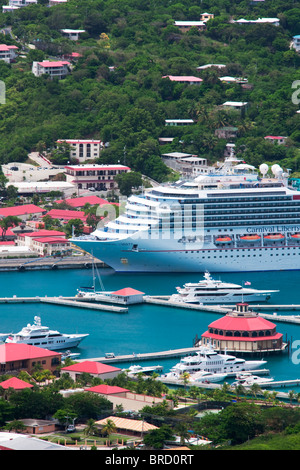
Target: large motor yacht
x: 211, y: 291
x: 43, y: 337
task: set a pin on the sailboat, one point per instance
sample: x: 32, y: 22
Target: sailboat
x: 90, y: 292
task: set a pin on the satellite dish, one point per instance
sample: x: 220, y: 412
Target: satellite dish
x: 276, y: 169
x: 264, y: 169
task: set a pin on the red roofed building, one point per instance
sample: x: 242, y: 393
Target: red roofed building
x: 128, y: 296
x: 7, y: 53
x: 65, y: 215
x: 96, y: 369
x: 77, y: 202
x: 15, y: 383
x: 243, y: 331
x: 15, y: 357
x: 44, y: 242
x: 23, y: 212
x: 279, y: 139
x: 55, y: 69
x: 97, y: 177
x: 104, y: 389
x: 190, y: 80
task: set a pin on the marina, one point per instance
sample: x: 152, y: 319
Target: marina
x: 157, y: 333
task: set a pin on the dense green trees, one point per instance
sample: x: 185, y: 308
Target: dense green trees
x: 116, y: 91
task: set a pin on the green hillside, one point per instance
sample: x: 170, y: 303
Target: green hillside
x: 116, y: 91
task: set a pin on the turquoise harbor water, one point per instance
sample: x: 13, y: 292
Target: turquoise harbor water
x: 145, y: 328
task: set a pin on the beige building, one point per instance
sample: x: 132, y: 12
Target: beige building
x: 82, y: 150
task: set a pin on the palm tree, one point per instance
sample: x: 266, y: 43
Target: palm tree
x: 255, y: 389
x: 91, y: 428
x: 109, y: 427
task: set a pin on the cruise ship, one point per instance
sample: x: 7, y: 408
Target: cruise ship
x: 233, y: 220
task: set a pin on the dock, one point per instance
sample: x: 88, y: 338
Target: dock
x: 223, y: 309
x: 49, y: 262
x: 145, y: 356
x: 65, y: 301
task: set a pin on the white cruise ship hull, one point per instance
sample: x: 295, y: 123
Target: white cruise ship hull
x: 166, y: 256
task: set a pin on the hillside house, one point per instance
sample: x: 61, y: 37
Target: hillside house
x: 179, y: 122
x: 55, y: 69
x: 72, y: 34
x: 276, y: 139
x: 8, y: 53
x: 296, y: 42
x: 185, y: 26
x: 82, y: 150
x: 206, y: 16
x: 188, y: 80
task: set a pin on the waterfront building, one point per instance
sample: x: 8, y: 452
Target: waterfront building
x: 243, y: 331
x: 80, y: 202
x: 17, y: 357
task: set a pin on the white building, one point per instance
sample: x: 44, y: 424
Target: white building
x: 296, y: 42
x: 72, y: 34
x: 83, y: 150
x: 95, y: 177
x: 55, y: 69
x: 8, y: 53
x: 16, y: 4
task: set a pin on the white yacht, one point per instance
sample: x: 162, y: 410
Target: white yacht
x: 43, y: 337
x: 247, y: 380
x: 207, y: 359
x: 237, y: 219
x: 212, y: 291
x: 206, y: 377
x: 136, y: 369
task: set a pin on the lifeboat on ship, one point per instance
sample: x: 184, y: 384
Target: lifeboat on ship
x: 223, y: 239
x: 274, y: 237
x: 295, y: 236
x: 250, y: 238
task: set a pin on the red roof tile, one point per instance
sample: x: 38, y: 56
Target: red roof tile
x: 66, y: 214
x: 106, y: 389
x: 42, y: 233
x: 15, y: 383
x: 90, y: 367
x: 81, y: 201
x: 21, y: 210
x: 15, y: 352
x: 127, y: 291
x: 51, y: 240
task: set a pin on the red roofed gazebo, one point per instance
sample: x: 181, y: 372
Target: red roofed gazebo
x: 243, y: 331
